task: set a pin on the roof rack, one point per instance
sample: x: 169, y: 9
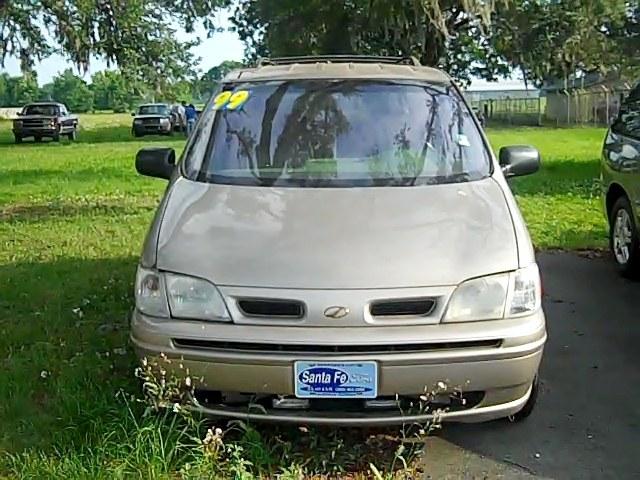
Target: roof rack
x: 408, y: 60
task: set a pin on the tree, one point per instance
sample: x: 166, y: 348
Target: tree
x: 211, y: 79
x: 46, y: 92
x: 4, y: 85
x: 137, y: 35
x: 113, y: 91
x: 16, y: 91
x: 482, y: 38
x: 439, y: 33
x: 72, y: 91
x: 628, y: 39
x: 566, y: 37
x: 182, y: 91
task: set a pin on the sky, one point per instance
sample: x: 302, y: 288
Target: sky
x: 212, y: 51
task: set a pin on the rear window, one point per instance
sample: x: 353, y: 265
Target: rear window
x: 319, y: 133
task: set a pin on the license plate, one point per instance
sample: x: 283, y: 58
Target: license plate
x: 336, y: 379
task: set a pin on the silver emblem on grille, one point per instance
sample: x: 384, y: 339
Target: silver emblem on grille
x: 336, y: 312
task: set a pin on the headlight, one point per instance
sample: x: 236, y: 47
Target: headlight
x: 162, y: 294
x: 497, y: 296
x: 137, y: 120
x: 18, y: 123
x: 164, y: 121
x: 525, y: 292
x: 195, y: 298
x: 151, y: 297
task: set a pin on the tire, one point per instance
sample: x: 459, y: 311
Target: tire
x: 72, y: 135
x: 624, y: 239
x: 528, y: 407
x: 18, y: 138
x: 37, y: 139
x: 56, y: 137
x: 137, y: 134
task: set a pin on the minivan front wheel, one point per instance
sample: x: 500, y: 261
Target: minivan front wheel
x: 623, y: 238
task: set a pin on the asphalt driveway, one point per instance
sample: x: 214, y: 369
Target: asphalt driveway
x: 587, y: 422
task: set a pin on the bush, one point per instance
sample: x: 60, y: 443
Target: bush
x: 72, y: 91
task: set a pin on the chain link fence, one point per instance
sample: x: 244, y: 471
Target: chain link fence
x: 596, y: 106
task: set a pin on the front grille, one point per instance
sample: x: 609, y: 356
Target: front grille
x: 271, y: 348
x: 151, y: 121
x: 410, y: 307
x: 256, y: 307
x: 35, y: 123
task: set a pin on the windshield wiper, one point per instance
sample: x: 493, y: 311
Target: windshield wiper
x: 442, y: 179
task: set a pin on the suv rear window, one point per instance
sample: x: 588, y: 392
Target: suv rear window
x: 342, y: 133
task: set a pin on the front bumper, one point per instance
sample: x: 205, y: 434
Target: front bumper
x: 502, y: 373
x: 37, y: 132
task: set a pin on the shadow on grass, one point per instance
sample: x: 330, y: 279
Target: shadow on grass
x: 64, y: 358
x: 45, y: 211
x: 64, y: 326
x: 30, y: 176
x: 122, y: 134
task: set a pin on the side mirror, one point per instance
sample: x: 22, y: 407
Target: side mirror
x: 133, y: 114
x: 156, y: 162
x: 518, y: 160
x: 19, y: 114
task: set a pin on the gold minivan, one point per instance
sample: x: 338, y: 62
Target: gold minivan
x: 336, y: 240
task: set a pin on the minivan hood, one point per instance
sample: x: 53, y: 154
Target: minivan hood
x: 325, y: 238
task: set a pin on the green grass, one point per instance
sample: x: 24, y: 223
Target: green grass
x: 72, y: 221
x: 561, y: 203
x: 72, y: 217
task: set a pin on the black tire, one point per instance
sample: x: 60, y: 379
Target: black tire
x: 18, y: 138
x: 624, y: 238
x: 72, y: 135
x: 137, y: 134
x: 37, y: 139
x: 528, y: 407
x: 56, y: 137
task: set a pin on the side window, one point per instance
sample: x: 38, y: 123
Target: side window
x: 628, y: 121
x: 63, y: 111
x: 196, y: 147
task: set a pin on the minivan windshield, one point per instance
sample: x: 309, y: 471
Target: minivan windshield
x: 343, y: 133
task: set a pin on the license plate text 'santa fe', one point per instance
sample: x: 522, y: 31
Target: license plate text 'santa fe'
x: 336, y: 379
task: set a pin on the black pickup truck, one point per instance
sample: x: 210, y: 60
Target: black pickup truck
x: 45, y: 119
